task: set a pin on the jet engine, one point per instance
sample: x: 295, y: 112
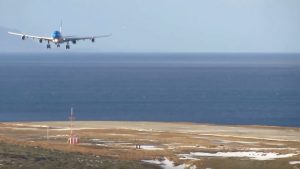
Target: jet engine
x: 93, y: 40
x: 74, y: 41
x: 41, y: 40
x: 23, y: 37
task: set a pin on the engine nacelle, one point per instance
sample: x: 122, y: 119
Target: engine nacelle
x: 41, y: 40
x: 23, y: 37
x: 74, y: 41
x: 93, y: 40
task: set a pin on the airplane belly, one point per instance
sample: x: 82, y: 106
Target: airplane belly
x: 58, y: 40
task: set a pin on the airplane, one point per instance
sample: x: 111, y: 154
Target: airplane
x: 57, y: 38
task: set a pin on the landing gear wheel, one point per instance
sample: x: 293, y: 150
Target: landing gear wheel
x: 48, y: 46
x: 67, y: 46
x: 58, y: 45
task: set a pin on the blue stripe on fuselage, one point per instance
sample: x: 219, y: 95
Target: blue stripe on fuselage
x: 56, y: 35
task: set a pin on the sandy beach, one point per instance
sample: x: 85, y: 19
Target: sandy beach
x: 173, y: 145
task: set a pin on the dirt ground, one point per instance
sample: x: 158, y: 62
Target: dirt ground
x: 137, y: 141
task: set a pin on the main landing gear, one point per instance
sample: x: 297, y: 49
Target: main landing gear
x: 67, y: 46
x: 48, y: 45
x: 58, y: 45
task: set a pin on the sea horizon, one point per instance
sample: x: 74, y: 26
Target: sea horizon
x: 235, y: 89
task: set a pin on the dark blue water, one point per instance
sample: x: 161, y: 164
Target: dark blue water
x: 207, y: 88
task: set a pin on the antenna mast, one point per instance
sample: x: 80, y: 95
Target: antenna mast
x: 71, y: 118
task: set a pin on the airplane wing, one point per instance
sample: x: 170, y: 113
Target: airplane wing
x: 31, y: 36
x: 74, y: 38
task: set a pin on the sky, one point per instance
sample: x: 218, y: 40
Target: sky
x: 163, y: 25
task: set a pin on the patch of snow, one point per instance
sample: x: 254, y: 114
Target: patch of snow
x: 147, y: 140
x: 55, y: 136
x: 188, y: 158
x: 67, y: 128
x: 157, y: 162
x: 144, y: 130
x: 150, y: 147
x: 167, y: 164
x: 246, y: 137
x: 85, y: 144
x: 125, y: 143
x: 259, y: 149
x: 252, y: 155
x: 61, y: 129
x: 19, y: 124
x: 108, y: 143
x: 187, y: 146
x: 275, y: 144
x: 17, y: 128
x: 241, y: 142
x: 30, y: 126
x: 195, y: 146
x: 172, y: 146
x: 103, y: 145
x: 116, y: 134
x: 39, y: 126
x: 102, y: 141
x: 193, y: 167
x: 294, y: 162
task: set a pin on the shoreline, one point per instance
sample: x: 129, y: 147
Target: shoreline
x: 271, y: 133
x: 160, y: 122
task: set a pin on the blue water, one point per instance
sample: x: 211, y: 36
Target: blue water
x: 206, y: 88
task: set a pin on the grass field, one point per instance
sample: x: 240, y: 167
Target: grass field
x: 113, y: 145
x: 28, y: 157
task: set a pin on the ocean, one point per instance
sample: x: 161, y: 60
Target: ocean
x: 252, y: 89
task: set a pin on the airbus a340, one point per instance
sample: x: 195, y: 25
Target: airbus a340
x: 57, y: 38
